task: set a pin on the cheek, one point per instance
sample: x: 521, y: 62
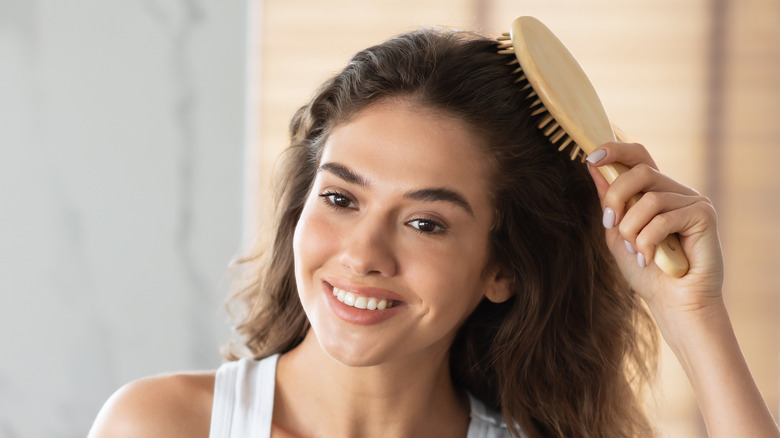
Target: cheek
x: 451, y: 278
x: 313, y: 241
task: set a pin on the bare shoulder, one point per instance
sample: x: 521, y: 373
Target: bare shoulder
x: 173, y: 405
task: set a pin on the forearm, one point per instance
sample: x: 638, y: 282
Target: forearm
x: 704, y: 342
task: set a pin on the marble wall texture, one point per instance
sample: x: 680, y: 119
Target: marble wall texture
x: 121, y: 151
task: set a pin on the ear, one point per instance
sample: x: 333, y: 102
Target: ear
x: 498, y: 287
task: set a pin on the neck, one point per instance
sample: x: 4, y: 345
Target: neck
x: 408, y: 397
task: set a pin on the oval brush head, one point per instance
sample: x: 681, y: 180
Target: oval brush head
x: 568, y: 110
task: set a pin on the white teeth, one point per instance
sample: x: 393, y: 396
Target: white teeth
x: 360, y: 302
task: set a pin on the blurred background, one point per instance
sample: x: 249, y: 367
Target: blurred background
x: 137, y: 139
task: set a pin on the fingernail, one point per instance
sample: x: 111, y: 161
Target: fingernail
x: 640, y: 259
x: 630, y: 247
x: 596, y: 156
x: 609, y: 218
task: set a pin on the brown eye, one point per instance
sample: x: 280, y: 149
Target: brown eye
x: 338, y: 200
x: 426, y: 226
x: 341, y: 201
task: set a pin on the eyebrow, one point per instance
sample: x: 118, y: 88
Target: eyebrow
x: 345, y: 173
x: 440, y: 194
x: 430, y: 194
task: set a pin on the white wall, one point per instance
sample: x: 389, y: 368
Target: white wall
x: 121, y: 149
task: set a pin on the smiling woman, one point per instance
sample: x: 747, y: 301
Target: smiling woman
x: 475, y: 299
x: 409, y: 212
x: 439, y: 269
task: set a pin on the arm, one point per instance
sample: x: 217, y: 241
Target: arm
x: 728, y: 397
x: 690, y: 311
x: 166, y: 406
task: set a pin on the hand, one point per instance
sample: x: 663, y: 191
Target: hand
x: 665, y: 207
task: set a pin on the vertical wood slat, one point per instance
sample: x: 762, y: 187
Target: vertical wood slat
x: 714, y: 121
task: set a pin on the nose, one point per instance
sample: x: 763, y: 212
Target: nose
x: 368, y: 248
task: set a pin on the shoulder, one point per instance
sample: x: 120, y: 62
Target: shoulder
x: 174, y: 405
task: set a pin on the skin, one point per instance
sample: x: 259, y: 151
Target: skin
x: 366, y: 232
x: 690, y: 311
x: 373, y: 228
x: 163, y: 406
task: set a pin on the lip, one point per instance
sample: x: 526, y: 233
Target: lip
x: 380, y: 294
x: 357, y: 316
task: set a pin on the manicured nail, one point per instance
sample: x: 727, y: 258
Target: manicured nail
x: 609, y: 218
x: 630, y: 247
x: 596, y: 156
x: 640, y: 259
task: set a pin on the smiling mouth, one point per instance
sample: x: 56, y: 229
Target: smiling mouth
x: 361, y: 302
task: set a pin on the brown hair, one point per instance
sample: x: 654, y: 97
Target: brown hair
x: 566, y: 354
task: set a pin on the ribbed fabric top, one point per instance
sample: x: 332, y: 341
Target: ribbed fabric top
x: 244, y: 403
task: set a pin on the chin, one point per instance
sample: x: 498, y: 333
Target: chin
x: 353, y: 352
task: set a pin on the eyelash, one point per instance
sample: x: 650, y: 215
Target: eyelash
x: 441, y: 228
x: 329, y: 199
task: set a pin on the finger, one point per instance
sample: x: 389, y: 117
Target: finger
x: 684, y: 221
x: 598, y: 179
x: 630, y: 154
x: 650, y: 206
x: 640, y: 179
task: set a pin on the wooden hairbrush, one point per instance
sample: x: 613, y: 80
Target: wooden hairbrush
x: 569, y: 112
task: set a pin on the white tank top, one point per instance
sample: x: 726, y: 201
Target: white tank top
x: 244, y: 403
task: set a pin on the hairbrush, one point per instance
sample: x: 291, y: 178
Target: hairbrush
x: 569, y: 112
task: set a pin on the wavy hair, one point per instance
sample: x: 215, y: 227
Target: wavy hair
x: 568, y: 354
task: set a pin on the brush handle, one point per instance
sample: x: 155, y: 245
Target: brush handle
x: 669, y: 255
x: 568, y: 95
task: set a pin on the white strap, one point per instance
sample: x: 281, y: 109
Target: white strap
x: 243, y: 399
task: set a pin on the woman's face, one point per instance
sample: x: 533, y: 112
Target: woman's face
x: 391, y: 248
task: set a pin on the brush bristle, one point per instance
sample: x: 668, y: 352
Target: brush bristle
x: 544, y: 120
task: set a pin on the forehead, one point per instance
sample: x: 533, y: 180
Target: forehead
x: 405, y: 144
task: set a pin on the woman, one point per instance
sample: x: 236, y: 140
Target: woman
x: 440, y: 269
